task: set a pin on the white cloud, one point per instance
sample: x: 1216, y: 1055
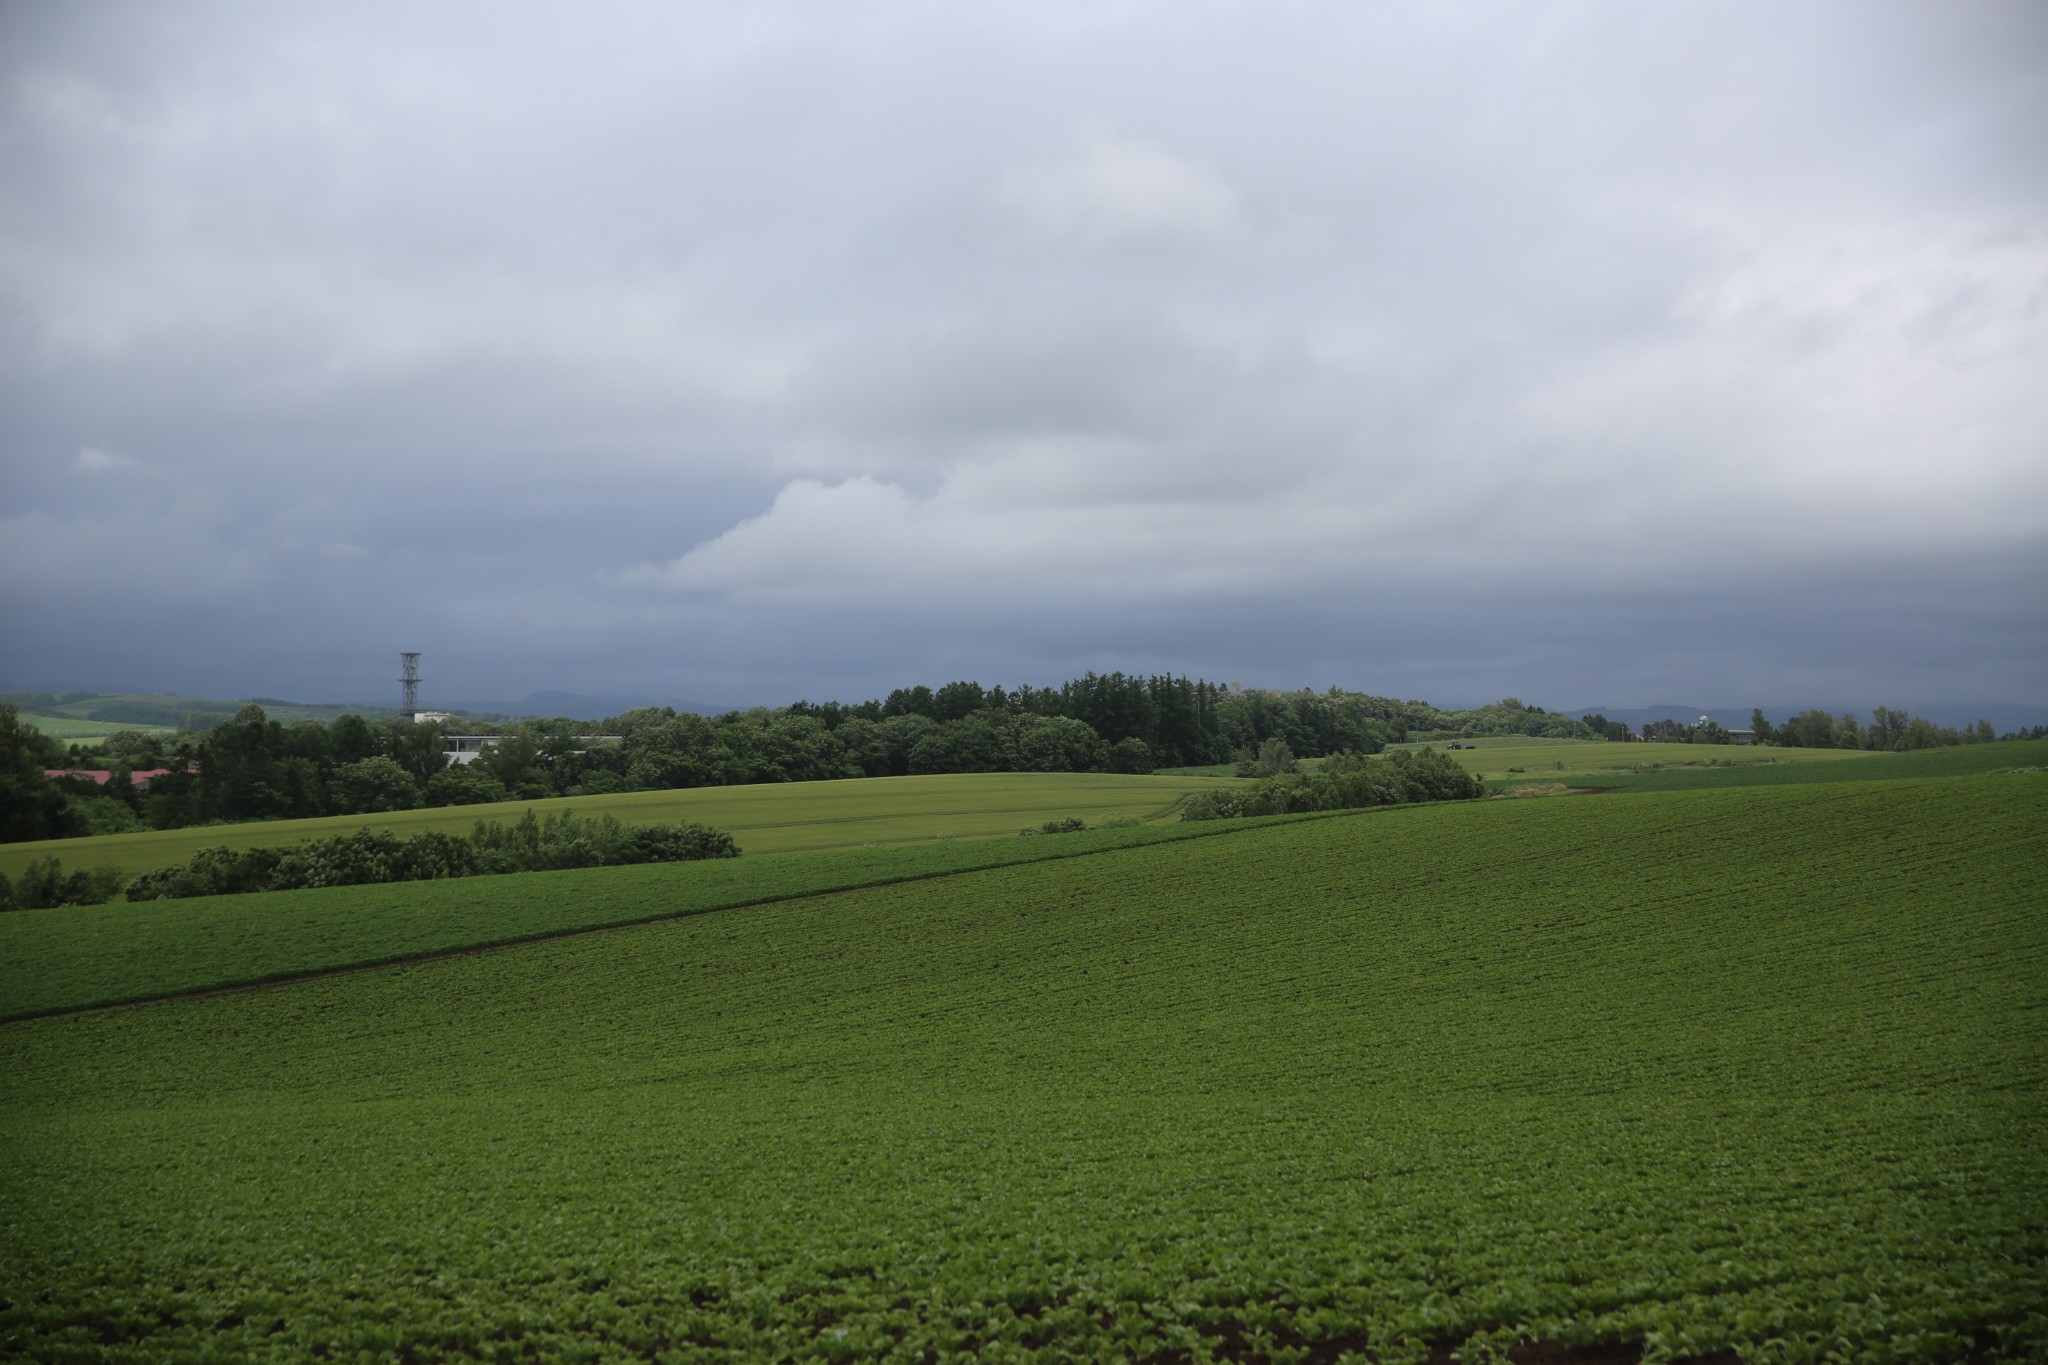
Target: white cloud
x: 1532, y: 303
x: 1112, y: 188
x: 93, y: 460
x: 987, y: 532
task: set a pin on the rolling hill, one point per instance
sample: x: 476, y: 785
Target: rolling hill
x: 1689, y: 1075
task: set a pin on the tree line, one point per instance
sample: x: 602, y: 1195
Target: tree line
x: 1889, y: 730
x: 250, y: 767
x: 1345, y: 782
x: 560, y: 841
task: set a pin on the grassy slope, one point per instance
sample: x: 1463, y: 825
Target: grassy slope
x: 72, y: 957
x: 72, y: 730
x: 1958, y: 761
x: 1499, y: 742
x: 777, y: 817
x: 1693, y: 1069
x: 53, y: 960
x: 1539, y: 758
x: 285, y: 712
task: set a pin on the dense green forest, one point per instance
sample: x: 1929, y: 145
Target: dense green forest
x: 254, y: 767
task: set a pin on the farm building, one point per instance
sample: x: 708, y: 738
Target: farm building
x: 463, y: 749
x: 99, y: 777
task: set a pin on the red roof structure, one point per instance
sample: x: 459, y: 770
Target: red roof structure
x: 100, y: 776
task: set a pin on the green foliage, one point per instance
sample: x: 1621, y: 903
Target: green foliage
x: 54, y: 961
x: 44, y: 884
x: 768, y: 818
x: 368, y: 857
x: 514, y: 761
x: 1129, y: 755
x: 1273, y: 759
x: 1346, y: 782
x: 245, y: 765
x: 1443, y: 1079
x: 31, y: 806
x: 972, y: 744
x: 373, y: 786
x: 1775, y: 768
x: 1061, y: 744
x: 364, y: 858
x: 1708, y: 732
x: 464, y: 785
x: 129, y: 712
x: 105, y: 815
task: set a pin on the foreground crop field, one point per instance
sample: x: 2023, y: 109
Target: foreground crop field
x: 776, y: 817
x: 1707, y: 1074
x: 70, y: 957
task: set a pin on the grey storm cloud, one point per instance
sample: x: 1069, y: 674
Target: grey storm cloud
x: 1579, y: 351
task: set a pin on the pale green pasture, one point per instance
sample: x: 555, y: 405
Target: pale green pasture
x: 75, y: 729
x: 1540, y: 756
x: 82, y: 709
x: 1500, y: 742
x: 780, y: 817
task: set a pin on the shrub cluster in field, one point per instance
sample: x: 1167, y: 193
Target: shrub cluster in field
x: 1074, y: 824
x: 562, y: 840
x: 1346, y: 782
x: 44, y: 883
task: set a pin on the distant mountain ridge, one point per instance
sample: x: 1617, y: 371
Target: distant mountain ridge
x: 578, y: 705
x: 573, y: 705
x: 2004, y: 716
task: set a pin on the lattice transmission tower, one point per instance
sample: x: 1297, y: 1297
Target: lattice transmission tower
x: 409, y: 679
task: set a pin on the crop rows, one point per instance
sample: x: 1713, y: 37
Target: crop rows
x: 71, y: 957
x: 773, y: 817
x: 1784, y: 767
x: 1757, y: 1071
x: 1492, y: 757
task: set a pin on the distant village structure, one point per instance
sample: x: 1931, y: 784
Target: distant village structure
x: 99, y: 777
x: 1734, y: 736
x: 461, y: 749
x: 409, y: 683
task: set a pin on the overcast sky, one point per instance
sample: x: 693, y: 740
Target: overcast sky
x: 1592, y: 353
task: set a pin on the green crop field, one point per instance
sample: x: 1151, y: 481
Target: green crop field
x: 1500, y: 742
x: 74, y: 956
x: 73, y: 730
x: 163, y: 710
x: 776, y: 817
x: 1545, y: 757
x: 1749, y: 1074
x: 1777, y: 769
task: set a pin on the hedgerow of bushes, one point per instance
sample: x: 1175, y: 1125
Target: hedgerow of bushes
x: 44, y: 883
x: 1345, y: 782
x: 561, y: 840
